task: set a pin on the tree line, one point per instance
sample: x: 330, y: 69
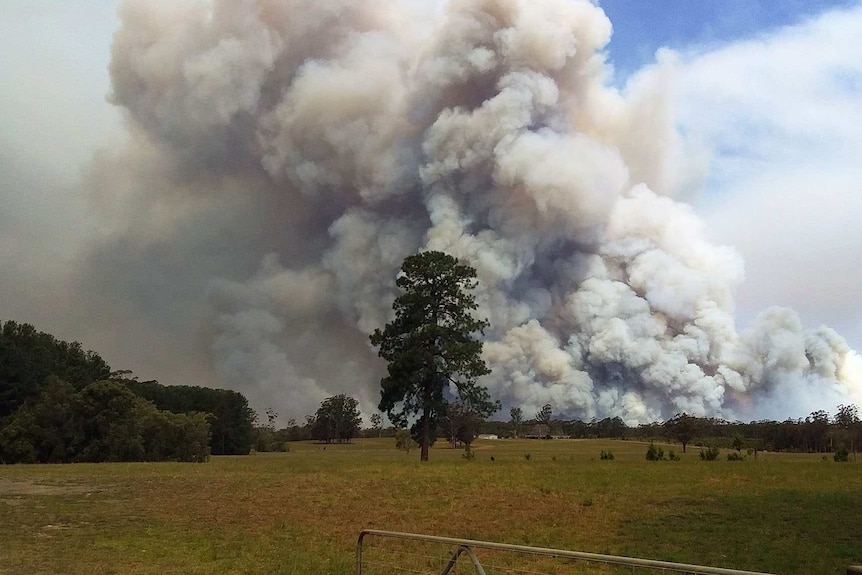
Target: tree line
x: 60, y: 403
x: 819, y: 432
x: 337, y: 420
x: 104, y: 421
x: 231, y: 419
x: 459, y: 426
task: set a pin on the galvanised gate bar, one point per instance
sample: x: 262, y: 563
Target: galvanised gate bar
x: 451, y: 552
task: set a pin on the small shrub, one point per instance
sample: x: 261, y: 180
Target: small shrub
x: 841, y: 454
x: 527, y: 456
x: 735, y: 456
x: 606, y: 455
x: 587, y: 502
x: 711, y: 453
x: 672, y: 456
x: 468, y: 455
x: 403, y: 440
x: 654, y: 453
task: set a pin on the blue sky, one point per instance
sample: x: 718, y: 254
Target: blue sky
x: 642, y: 27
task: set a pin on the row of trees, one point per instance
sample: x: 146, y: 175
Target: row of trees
x: 231, y: 418
x: 60, y: 403
x: 819, y: 432
x: 104, y: 421
x: 337, y: 420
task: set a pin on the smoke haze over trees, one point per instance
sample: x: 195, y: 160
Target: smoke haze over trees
x: 287, y: 156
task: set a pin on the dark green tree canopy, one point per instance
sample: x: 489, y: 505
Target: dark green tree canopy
x: 682, y: 427
x: 337, y: 419
x: 432, y: 345
x: 29, y: 356
x: 47, y: 386
x: 231, y: 419
x: 105, y: 421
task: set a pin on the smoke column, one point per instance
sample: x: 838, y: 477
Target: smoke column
x: 284, y: 156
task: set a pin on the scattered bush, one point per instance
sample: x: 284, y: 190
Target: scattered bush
x: 711, y: 453
x: 735, y: 456
x: 606, y: 455
x: 527, y: 456
x: 654, y: 453
x: 403, y: 440
x: 672, y: 456
x: 841, y: 454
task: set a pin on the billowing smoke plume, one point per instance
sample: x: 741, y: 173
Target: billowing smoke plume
x: 284, y: 157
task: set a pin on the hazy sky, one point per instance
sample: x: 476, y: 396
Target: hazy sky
x: 768, y: 94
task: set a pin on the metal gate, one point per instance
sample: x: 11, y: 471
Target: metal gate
x: 390, y: 552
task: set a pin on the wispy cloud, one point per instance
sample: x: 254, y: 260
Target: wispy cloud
x: 780, y: 116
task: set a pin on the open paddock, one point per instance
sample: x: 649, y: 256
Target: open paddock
x: 300, y: 512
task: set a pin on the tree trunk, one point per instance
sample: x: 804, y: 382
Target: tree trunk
x: 426, y: 435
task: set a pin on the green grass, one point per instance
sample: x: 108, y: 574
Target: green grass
x: 300, y: 512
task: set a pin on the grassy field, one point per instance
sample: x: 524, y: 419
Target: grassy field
x: 300, y: 512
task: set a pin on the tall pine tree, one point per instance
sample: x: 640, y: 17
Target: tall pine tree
x: 431, y: 345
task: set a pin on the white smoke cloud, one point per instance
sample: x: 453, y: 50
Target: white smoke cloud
x: 773, y: 113
x: 285, y: 156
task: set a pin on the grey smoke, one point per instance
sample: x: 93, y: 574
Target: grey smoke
x: 283, y: 157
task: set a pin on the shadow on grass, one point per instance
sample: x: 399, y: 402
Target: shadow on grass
x: 791, y: 532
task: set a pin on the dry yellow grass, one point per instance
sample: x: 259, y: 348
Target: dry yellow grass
x: 300, y: 512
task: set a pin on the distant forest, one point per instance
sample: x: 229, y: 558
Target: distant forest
x: 819, y: 432
x: 60, y: 403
